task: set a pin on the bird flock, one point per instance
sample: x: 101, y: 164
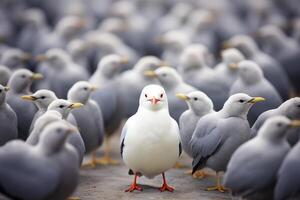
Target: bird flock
x: 217, y: 80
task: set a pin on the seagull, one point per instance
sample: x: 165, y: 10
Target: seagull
x: 158, y: 147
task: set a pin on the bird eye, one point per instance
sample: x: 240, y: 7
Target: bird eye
x: 298, y: 106
x: 279, y: 124
x: 146, y: 95
x: 164, y: 75
x: 59, y: 130
x: 85, y: 88
x: 0, y: 90
x: 241, y: 101
x: 42, y: 97
x: 195, y: 99
x: 161, y: 95
x: 61, y: 106
x: 23, y: 76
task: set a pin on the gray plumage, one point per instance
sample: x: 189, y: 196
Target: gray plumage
x: 252, y: 82
x: 51, y: 162
x: 173, y: 84
x: 19, y: 85
x: 58, y: 110
x: 5, y: 74
x: 8, y: 119
x: 60, y: 72
x: 290, y: 109
x: 218, y: 135
x: 132, y: 82
x: 14, y: 58
x: 272, y: 69
x: 288, y: 177
x: 195, y: 71
x: 253, y: 167
x: 199, y: 105
x: 91, y: 127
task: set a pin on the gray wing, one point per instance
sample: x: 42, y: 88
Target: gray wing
x: 205, y: 141
x: 98, y: 117
x: 122, y: 138
x: 246, y: 171
x: 34, y: 178
x: 288, y: 182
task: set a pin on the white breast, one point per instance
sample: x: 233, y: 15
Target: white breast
x: 151, y: 145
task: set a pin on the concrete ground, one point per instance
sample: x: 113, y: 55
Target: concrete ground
x: 109, y: 183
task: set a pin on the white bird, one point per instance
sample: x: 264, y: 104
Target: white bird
x: 158, y: 147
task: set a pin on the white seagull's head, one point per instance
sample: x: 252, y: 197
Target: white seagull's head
x: 153, y: 97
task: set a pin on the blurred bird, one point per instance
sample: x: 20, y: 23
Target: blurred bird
x: 273, y: 71
x: 266, y: 152
x: 15, y: 58
x: 51, y: 161
x: 5, y: 74
x: 158, y: 148
x: 217, y: 135
x: 19, y: 84
x: 60, y: 72
x: 252, y: 82
x: 8, y: 118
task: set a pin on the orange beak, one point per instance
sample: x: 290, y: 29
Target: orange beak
x: 154, y: 100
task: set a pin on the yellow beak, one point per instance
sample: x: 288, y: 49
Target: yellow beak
x: 256, y: 99
x: 124, y: 60
x: 294, y: 123
x: 6, y: 88
x: 94, y: 88
x: 150, y: 73
x: 41, y: 58
x: 75, y: 105
x: 233, y: 66
x: 37, y: 76
x: 226, y: 45
x: 28, y: 97
x: 182, y: 96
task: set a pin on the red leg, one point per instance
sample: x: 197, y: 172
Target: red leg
x: 134, y: 185
x: 165, y: 186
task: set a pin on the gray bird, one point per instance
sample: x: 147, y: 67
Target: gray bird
x: 41, y: 99
x: 5, y: 74
x: 58, y: 110
x: 108, y: 67
x: 92, y: 127
x: 284, y: 49
x: 288, y: 176
x: 14, y: 58
x: 272, y: 69
x: 196, y: 72
x: 199, y: 105
x: 51, y: 161
x: 19, y: 85
x: 228, y: 69
x: 60, y: 72
x: 251, y: 172
x: 173, y: 84
x: 252, y: 82
x: 289, y: 109
x: 218, y: 135
x: 132, y: 82
x: 8, y: 119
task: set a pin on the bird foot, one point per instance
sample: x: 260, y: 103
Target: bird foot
x: 73, y: 198
x: 165, y: 187
x: 178, y: 166
x: 134, y: 187
x: 90, y: 164
x: 189, y: 172
x: 106, y: 161
x: 219, y: 188
x: 200, y: 174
